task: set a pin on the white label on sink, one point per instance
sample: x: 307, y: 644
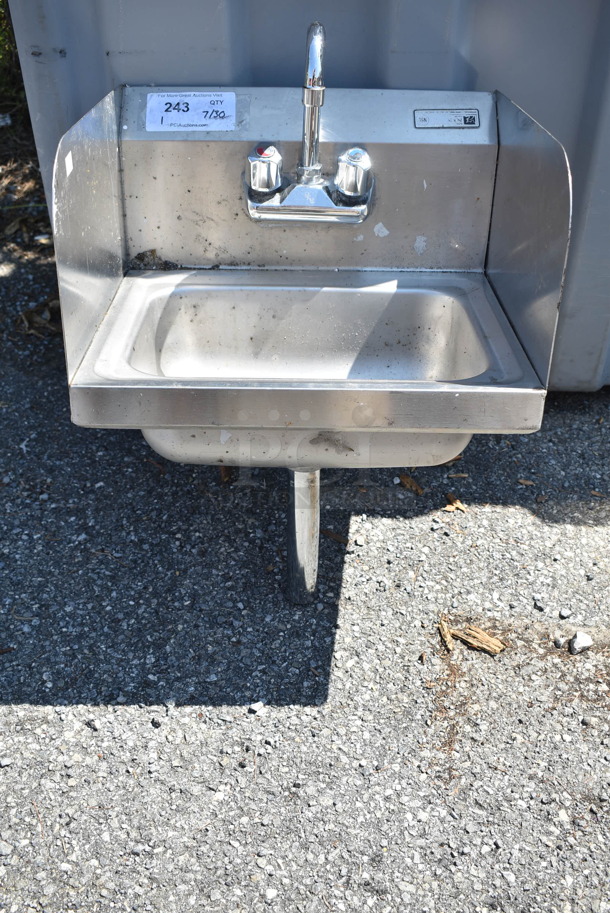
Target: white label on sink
x: 431, y: 118
x: 211, y: 111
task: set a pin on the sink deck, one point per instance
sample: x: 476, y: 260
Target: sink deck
x: 347, y: 350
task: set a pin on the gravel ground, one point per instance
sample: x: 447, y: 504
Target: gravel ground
x: 174, y: 736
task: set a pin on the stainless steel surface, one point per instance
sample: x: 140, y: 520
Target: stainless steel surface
x: 530, y: 230
x: 438, y: 218
x: 313, y: 360
x: 581, y: 355
x: 353, y: 178
x: 88, y: 225
x: 314, y: 58
x: 264, y: 169
x: 360, y: 351
x: 249, y: 333
x: 310, y: 146
x: 303, y: 535
x: 306, y: 203
x: 310, y: 169
x: 302, y: 448
x: 311, y: 198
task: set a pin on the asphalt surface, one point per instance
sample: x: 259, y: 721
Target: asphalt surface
x: 175, y: 736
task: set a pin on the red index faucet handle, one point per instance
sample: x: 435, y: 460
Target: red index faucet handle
x: 264, y: 172
x: 265, y: 151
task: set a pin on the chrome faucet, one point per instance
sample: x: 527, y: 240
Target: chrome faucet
x: 310, y: 169
x: 308, y: 197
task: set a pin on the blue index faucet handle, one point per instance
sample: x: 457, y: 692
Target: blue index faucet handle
x: 354, y: 173
x: 264, y: 174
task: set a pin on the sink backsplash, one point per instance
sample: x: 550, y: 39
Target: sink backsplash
x: 184, y: 198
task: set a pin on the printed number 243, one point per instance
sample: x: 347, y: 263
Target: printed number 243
x: 180, y: 106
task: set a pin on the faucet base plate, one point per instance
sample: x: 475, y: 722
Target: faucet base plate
x: 307, y: 203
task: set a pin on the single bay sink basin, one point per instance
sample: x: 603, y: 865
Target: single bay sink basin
x: 252, y: 327
x: 378, y: 332
x: 319, y: 350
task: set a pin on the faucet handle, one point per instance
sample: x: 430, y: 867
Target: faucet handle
x: 354, y: 174
x: 265, y: 169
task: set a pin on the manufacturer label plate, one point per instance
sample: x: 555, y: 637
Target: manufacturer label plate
x: 210, y: 111
x: 435, y: 118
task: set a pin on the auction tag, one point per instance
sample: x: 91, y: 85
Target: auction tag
x: 190, y: 111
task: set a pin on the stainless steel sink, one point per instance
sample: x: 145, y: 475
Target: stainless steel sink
x: 339, y: 329
x: 381, y: 343
x: 266, y: 336
x: 378, y: 331
x: 301, y: 369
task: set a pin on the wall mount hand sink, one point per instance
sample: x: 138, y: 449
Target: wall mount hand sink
x: 342, y: 351
x: 231, y: 339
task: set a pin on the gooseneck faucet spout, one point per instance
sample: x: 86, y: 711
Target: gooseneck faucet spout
x: 310, y: 169
x: 307, y: 196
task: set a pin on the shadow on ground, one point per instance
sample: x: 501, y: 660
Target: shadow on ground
x: 129, y: 579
